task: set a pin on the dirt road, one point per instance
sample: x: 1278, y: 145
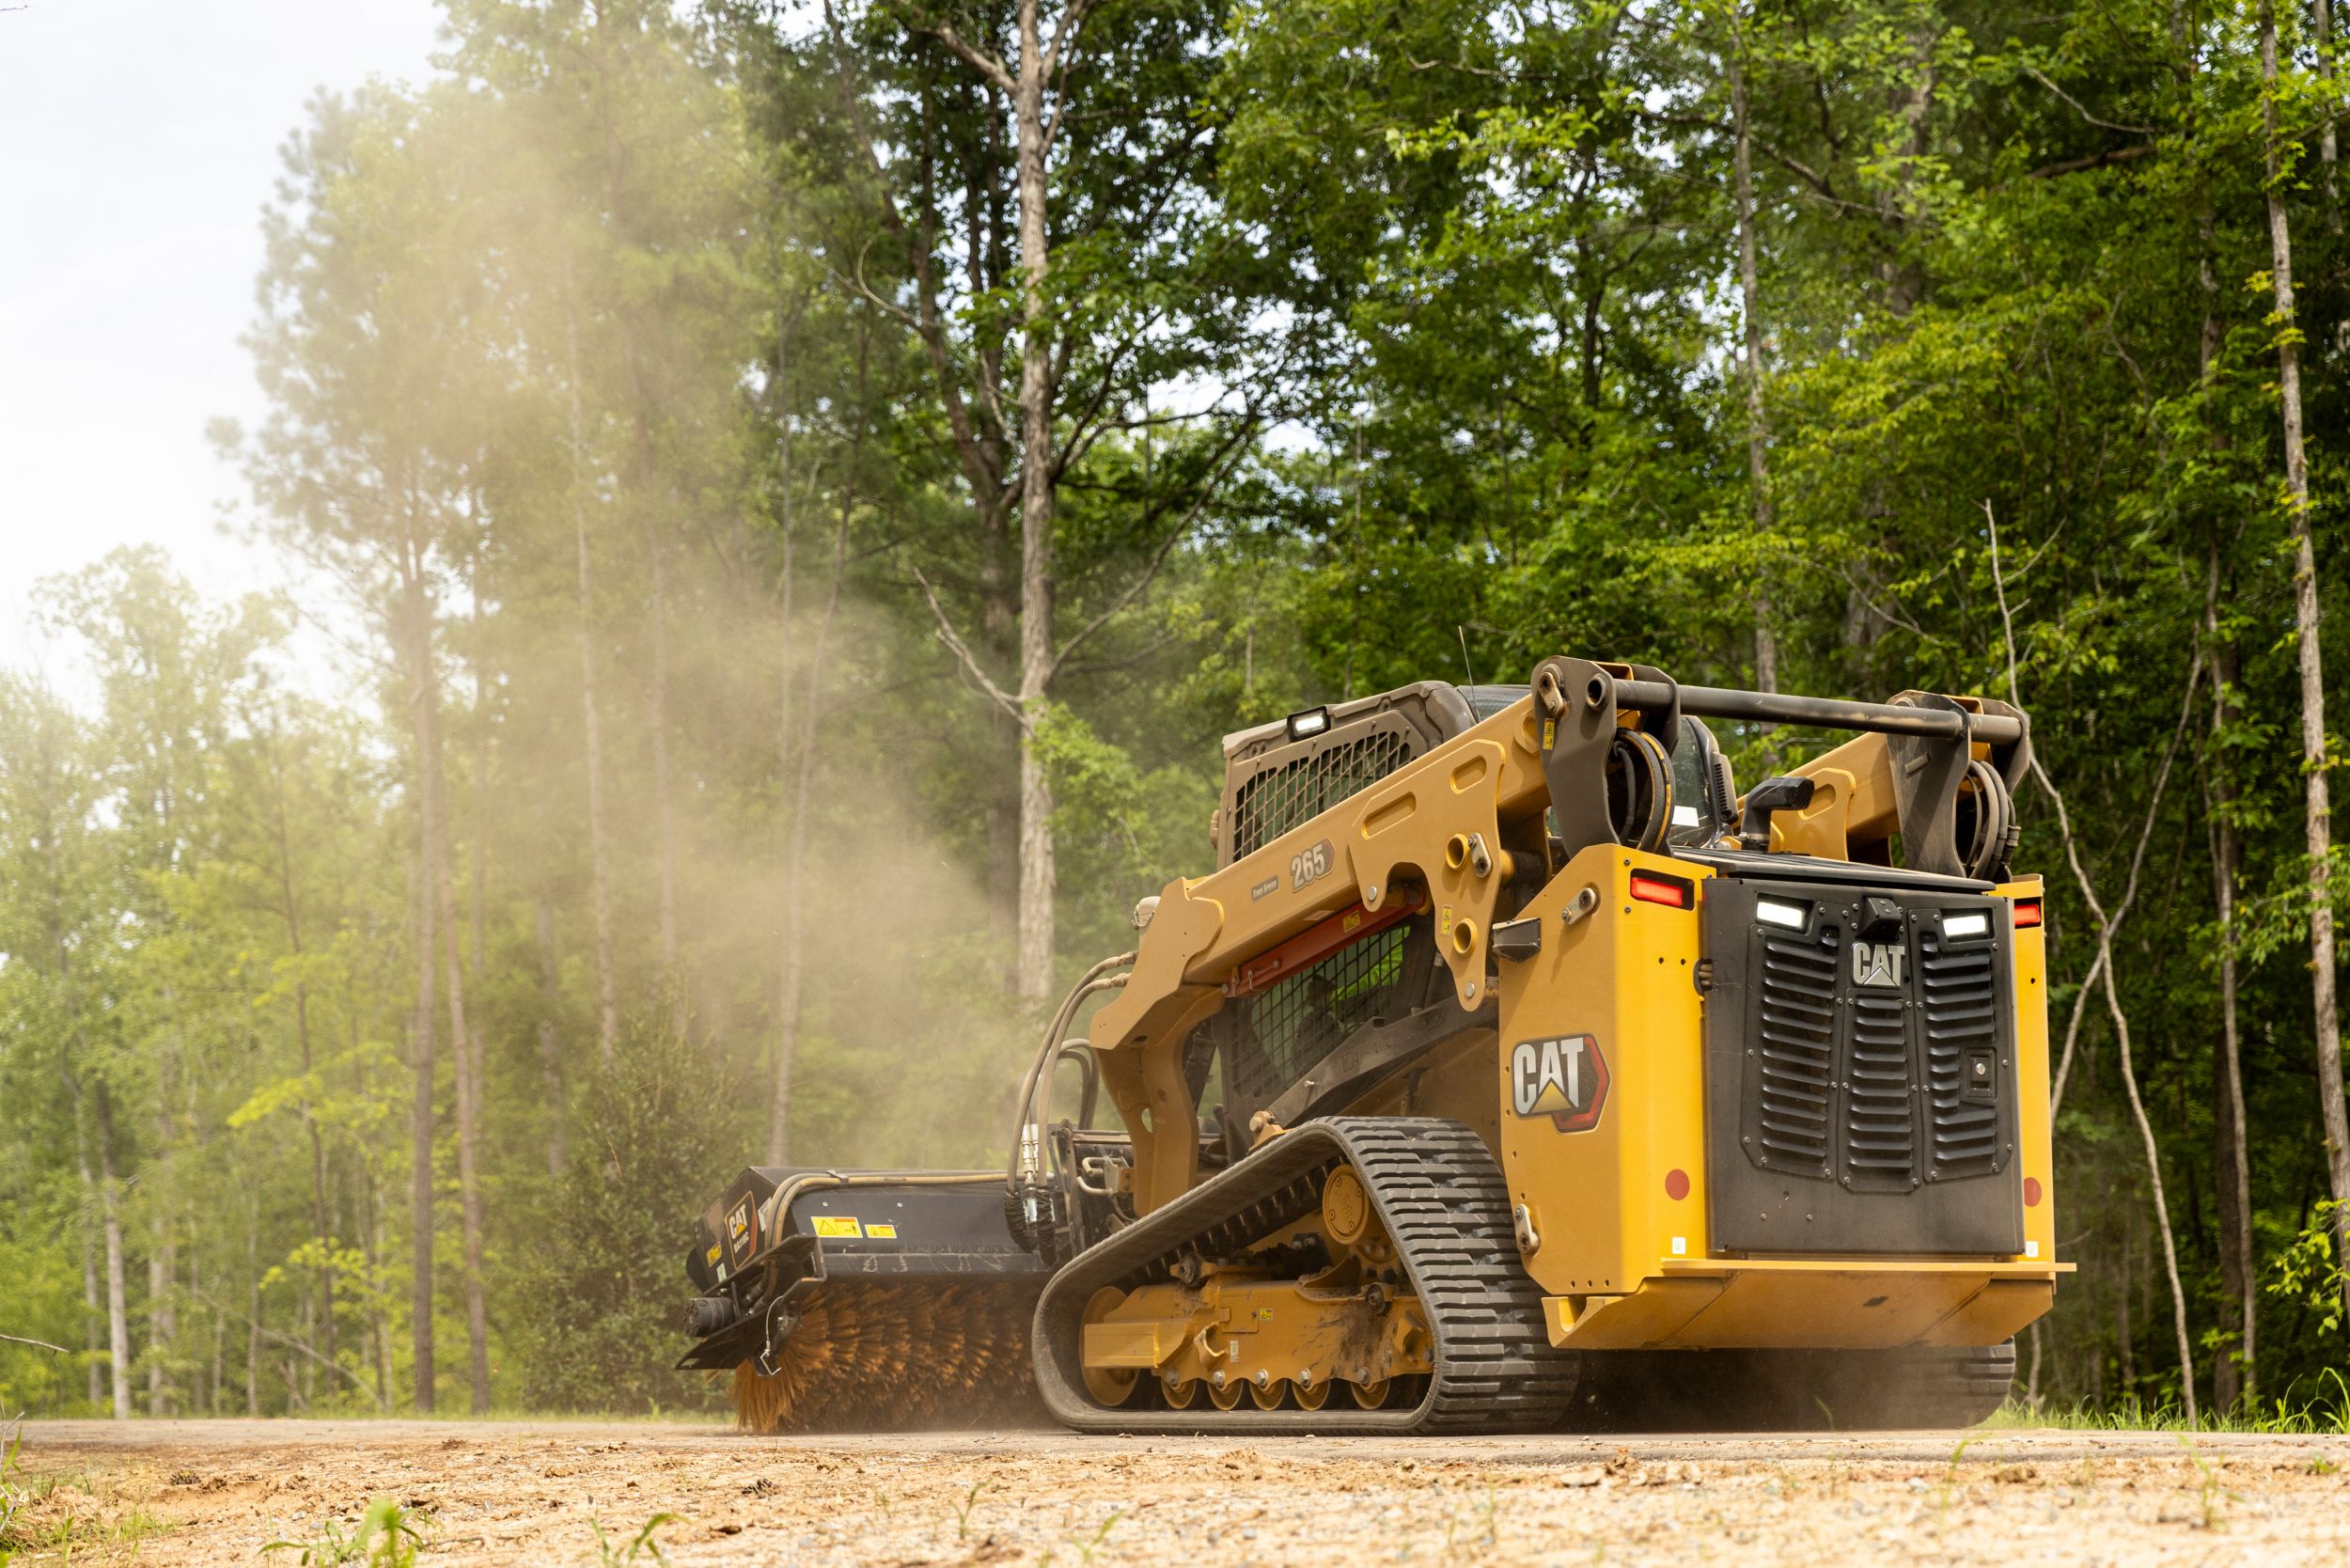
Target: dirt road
x: 215, y: 1492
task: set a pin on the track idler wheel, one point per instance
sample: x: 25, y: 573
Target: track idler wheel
x: 1111, y: 1386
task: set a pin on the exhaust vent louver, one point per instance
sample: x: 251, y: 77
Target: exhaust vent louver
x: 1796, y: 1042
x: 1959, y: 1006
x: 1880, y: 1132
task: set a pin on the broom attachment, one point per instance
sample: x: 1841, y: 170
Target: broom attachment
x: 899, y: 1354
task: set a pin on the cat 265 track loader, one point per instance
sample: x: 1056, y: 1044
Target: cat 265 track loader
x: 1512, y: 1069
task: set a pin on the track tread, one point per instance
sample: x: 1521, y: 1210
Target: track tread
x: 1444, y: 1201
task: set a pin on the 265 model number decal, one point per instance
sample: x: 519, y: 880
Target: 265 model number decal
x: 1311, y: 865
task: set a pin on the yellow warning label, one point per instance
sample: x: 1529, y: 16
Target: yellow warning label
x: 838, y: 1225
x: 714, y: 1254
x: 1550, y: 733
x: 882, y: 1231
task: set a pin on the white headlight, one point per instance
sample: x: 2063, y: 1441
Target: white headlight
x: 1794, y: 917
x: 1966, y: 925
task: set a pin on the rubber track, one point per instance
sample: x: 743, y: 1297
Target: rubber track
x: 1444, y: 1201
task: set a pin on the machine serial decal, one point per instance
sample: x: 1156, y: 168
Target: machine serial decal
x: 1311, y: 865
x: 1270, y: 884
x: 838, y: 1227
x: 1878, y: 962
x: 1564, y: 1079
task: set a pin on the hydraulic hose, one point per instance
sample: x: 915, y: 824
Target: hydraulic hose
x: 1029, y: 1157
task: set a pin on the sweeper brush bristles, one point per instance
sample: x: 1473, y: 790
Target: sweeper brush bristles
x: 900, y: 1355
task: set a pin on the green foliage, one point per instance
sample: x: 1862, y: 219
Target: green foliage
x: 386, y: 1536
x: 13, y: 1495
x: 612, y: 1554
x: 2308, y: 1273
x: 602, y: 1270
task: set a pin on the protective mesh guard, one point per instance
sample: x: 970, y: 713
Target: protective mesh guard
x: 1295, y: 1023
x: 1279, y: 798
x: 1273, y: 1038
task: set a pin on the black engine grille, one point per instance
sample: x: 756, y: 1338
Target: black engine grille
x: 1860, y: 1072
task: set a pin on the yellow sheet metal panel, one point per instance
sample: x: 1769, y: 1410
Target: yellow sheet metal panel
x: 2000, y: 1311
x: 1808, y: 1304
x: 1601, y: 1078
x: 1117, y: 1344
x: 1650, y: 1317
x: 2034, y: 1136
x: 1862, y: 1311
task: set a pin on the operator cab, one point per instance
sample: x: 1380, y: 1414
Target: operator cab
x: 1705, y: 796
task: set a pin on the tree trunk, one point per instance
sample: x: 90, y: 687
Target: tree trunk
x: 607, y: 990
x: 2235, y: 1380
x: 550, y: 1057
x: 378, y: 1336
x: 91, y: 1313
x: 468, y: 1159
x: 1037, y: 882
x: 440, y: 883
x: 290, y: 909
x: 117, y: 1305
x: 2318, y: 821
x: 2327, y: 146
x: 800, y: 754
x: 422, y: 1030
x: 1758, y: 427
x: 162, y: 1322
x: 665, y: 812
x: 253, y: 1313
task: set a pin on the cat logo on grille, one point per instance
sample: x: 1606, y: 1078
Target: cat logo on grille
x: 1564, y: 1079
x: 1878, y: 962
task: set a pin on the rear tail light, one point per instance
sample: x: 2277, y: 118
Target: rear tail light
x: 1672, y: 891
x: 2027, y: 913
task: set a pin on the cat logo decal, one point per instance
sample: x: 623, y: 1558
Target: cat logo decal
x: 1563, y: 1077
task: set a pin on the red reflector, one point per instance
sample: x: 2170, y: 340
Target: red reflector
x: 2032, y: 1192
x: 1650, y: 888
x: 1676, y: 1183
x: 2027, y: 913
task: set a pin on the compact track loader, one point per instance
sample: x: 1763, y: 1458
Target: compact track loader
x: 1512, y: 1069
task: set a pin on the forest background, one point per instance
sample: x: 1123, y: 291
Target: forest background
x: 802, y: 489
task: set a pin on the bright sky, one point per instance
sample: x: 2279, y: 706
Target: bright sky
x: 138, y: 141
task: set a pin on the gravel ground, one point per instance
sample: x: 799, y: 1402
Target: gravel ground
x: 217, y: 1492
